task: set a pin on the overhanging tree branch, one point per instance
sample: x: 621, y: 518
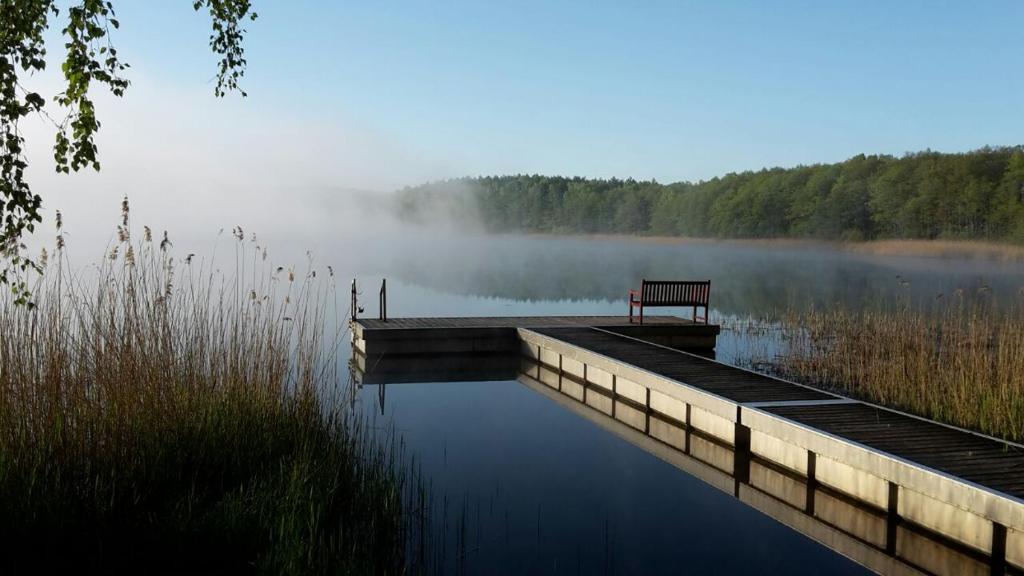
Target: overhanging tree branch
x: 90, y: 59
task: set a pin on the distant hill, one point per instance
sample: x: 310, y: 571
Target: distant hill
x: 972, y: 195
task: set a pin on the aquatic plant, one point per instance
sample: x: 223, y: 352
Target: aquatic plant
x: 166, y: 416
x: 958, y: 359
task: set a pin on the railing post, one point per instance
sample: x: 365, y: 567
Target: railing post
x: 383, y: 304
x: 354, y: 305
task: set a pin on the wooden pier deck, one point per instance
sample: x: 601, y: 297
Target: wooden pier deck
x: 985, y: 461
x: 962, y: 486
x: 859, y: 532
x: 460, y: 335
x: 470, y: 322
x: 714, y: 377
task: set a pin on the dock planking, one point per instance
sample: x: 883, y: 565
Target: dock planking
x: 917, y: 473
x: 979, y: 459
x: 459, y: 335
x: 457, y: 322
x: 976, y: 458
x: 857, y: 531
x: 986, y: 461
x: 720, y: 379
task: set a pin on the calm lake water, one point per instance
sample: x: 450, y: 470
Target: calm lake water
x: 523, y: 485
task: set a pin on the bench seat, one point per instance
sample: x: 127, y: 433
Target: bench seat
x: 694, y: 293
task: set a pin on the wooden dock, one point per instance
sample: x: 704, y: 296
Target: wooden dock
x: 410, y: 336
x: 957, y: 485
x: 855, y: 530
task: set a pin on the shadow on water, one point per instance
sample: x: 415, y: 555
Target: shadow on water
x: 614, y: 511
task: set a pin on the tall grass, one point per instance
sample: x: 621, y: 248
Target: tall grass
x: 961, y: 362
x: 1000, y: 251
x: 164, y: 416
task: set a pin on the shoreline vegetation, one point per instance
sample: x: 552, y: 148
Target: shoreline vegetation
x: 958, y: 249
x: 977, y: 195
x: 163, y: 416
x: 956, y: 359
x: 957, y: 362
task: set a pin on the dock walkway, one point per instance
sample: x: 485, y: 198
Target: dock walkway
x: 964, y: 486
x: 411, y: 336
x: 466, y: 322
x: 985, y: 461
x: 960, y: 485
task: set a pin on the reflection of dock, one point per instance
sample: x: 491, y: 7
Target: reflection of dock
x: 854, y: 529
x: 894, y: 492
x: 472, y: 349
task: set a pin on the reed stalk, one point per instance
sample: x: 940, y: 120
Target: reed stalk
x: 164, y: 416
x: 960, y: 361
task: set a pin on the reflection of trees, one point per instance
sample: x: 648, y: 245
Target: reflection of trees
x: 745, y: 280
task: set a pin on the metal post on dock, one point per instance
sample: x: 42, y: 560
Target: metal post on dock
x: 384, y: 299
x: 354, y: 307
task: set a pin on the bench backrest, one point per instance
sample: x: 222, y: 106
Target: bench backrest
x: 675, y: 292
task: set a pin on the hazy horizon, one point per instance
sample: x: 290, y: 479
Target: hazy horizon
x: 379, y: 98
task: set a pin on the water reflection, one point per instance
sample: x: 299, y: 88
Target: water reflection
x: 745, y: 280
x: 526, y: 482
x: 856, y: 530
x: 521, y: 486
x: 866, y: 534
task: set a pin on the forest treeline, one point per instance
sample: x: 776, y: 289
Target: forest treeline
x: 972, y: 195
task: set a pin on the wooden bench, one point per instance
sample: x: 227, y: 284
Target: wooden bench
x: 671, y: 293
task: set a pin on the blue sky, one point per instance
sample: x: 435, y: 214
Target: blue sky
x: 665, y: 90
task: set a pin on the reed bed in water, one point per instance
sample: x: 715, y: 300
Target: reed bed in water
x: 961, y: 363
x: 158, y: 416
x: 940, y: 249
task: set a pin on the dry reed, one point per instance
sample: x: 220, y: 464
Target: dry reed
x: 960, y: 249
x: 961, y: 363
x: 163, y: 416
x: 937, y: 248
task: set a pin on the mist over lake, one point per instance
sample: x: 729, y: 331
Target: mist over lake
x: 532, y: 288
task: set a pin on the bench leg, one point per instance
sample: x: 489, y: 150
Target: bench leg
x: 641, y: 313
